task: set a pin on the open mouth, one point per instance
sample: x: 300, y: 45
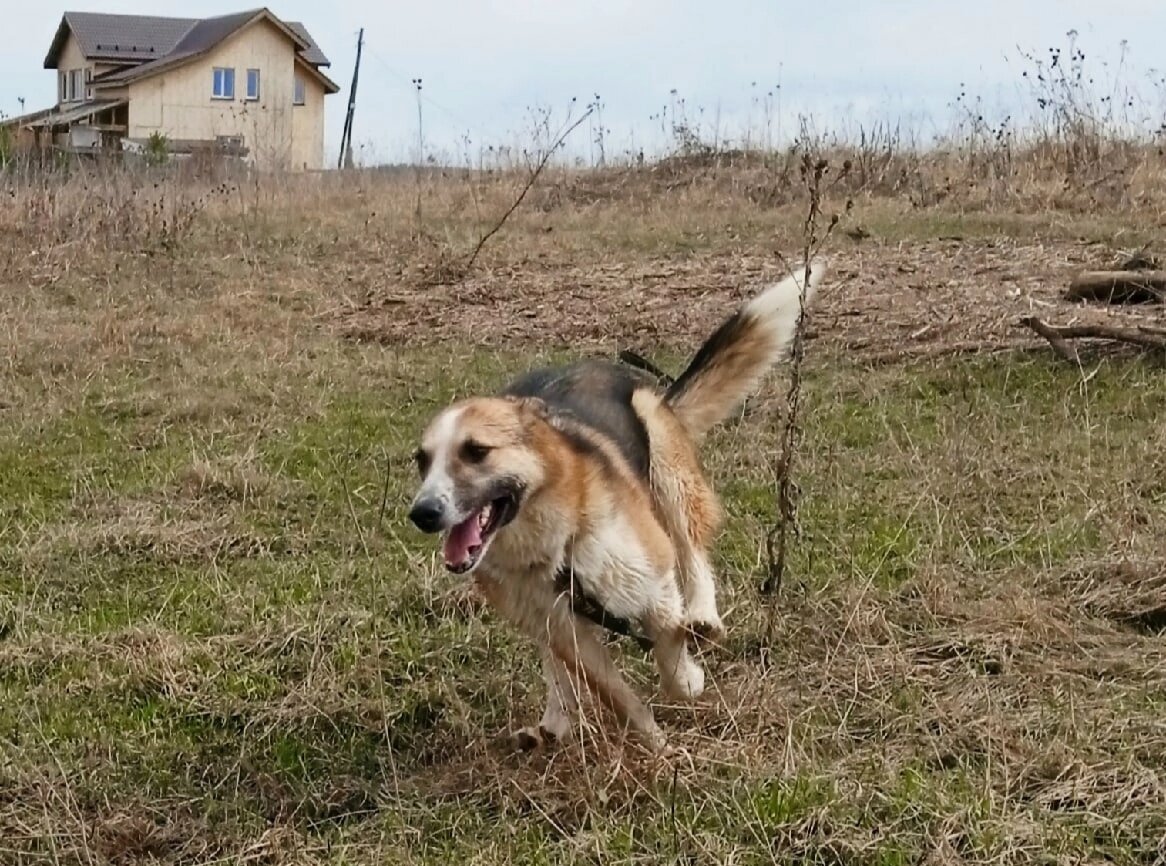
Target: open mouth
x: 466, y: 542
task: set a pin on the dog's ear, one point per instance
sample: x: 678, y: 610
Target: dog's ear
x: 535, y: 406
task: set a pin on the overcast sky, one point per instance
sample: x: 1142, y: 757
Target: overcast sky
x: 488, y: 66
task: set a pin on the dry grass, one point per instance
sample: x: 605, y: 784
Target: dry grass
x: 220, y: 642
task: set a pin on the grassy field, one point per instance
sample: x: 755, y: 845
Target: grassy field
x: 221, y: 642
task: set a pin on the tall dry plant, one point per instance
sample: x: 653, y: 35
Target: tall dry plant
x: 814, y: 170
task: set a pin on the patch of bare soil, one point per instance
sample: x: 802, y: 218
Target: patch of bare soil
x: 880, y: 302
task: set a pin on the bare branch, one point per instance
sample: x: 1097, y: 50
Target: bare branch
x: 1147, y: 336
x: 530, y: 181
x: 1062, y: 348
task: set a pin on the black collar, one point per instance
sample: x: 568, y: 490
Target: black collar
x: 585, y: 606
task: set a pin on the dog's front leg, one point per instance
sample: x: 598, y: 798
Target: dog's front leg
x: 585, y: 659
x: 562, y: 704
x: 545, y: 616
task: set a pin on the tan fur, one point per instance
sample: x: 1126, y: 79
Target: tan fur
x: 687, y: 508
x: 640, y: 547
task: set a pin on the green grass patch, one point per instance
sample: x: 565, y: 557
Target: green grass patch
x: 232, y: 613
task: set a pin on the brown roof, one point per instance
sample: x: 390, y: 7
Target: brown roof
x: 313, y: 54
x: 154, y: 42
x: 65, y: 115
x: 198, y: 39
x: 118, y: 37
x: 209, y: 32
x: 328, y: 84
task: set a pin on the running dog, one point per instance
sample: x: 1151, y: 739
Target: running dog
x: 579, y: 490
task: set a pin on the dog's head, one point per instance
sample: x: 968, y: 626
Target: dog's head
x: 478, y: 465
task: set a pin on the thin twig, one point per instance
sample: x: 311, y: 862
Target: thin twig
x: 352, y: 512
x: 672, y: 810
x: 384, y: 490
x: 530, y: 181
x: 932, y: 351
x: 785, y: 523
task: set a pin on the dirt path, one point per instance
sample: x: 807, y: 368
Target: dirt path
x: 881, y: 302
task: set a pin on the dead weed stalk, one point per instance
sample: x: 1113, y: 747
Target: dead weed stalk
x: 813, y: 172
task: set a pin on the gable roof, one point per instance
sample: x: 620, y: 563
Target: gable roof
x: 201, y: 39
x: 118, y: 37
x: 156, y: 43
x: 312, y: 54
x: 328, y: 84
x: 209, y: 32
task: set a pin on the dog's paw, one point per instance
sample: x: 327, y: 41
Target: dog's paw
x: 706, y: 632
x: 673, y: 759
x: 654, y: 742
x: 687, y: 683
x: 533, y: 737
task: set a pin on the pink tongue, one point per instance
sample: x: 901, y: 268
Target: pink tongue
x: 461, y: 538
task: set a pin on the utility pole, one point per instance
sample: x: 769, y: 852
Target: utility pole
x: 346, y: 136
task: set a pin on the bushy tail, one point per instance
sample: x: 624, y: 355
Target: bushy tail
x: 732, y: 361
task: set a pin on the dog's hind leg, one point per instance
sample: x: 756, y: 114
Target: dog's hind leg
x: 688, y: 511
x: 692, y: 519
x: 700, y: 594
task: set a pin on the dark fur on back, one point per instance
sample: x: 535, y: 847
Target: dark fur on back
x: 597, y: 394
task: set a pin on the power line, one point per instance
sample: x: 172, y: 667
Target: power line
x: 405, y: 83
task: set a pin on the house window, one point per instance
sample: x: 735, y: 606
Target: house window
x: 88, y: 88
x: 298, y: 92
x: 224, y: 83
x: 62, y: 86
x: 252, y: 84
x: 76, y: 88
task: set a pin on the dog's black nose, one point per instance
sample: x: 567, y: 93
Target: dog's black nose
x: 426, y: 514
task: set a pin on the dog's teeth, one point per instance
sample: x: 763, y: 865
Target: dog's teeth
x: 484, y: 516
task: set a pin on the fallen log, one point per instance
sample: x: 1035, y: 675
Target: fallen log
x: 1118, y: 287
x: 1147, y: 337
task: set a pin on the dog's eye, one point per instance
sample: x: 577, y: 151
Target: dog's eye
x: 422, y: 460
x: 474, y: 452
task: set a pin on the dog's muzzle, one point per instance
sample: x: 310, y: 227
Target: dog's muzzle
x: 427, y: 514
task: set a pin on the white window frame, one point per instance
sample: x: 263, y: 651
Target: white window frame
x: 220, y: 74
x: 299, y: 90
x: 253, y: 97
x: 75, y: 92
x: 63, y: 86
